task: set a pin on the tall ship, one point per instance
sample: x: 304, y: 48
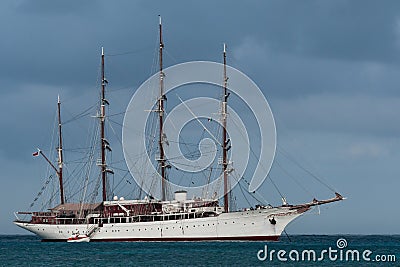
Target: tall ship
x: 176, y: 216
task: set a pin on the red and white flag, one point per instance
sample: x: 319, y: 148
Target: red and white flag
x: 35, y: 154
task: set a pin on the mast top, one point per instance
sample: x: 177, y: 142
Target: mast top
x: 159, y: 17
x: 102, y: 51
x: 224, y: 47
x: 58, y: 97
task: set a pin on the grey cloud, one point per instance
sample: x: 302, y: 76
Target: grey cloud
x: 351, y: 114
x: 328, y: 68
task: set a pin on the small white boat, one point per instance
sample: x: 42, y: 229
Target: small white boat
x: 78, y: 238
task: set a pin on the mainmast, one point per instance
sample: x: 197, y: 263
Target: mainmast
x: 161, y: 160
x: 225, y: 140
x: 60, y: 153
x: 102, y: 135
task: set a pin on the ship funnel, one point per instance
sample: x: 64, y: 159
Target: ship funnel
x: 181, y: 196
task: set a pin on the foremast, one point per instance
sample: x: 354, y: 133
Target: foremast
x: 225, y: 140
x: 162, y: 98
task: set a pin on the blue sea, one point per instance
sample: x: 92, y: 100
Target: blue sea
x: 24, y: 250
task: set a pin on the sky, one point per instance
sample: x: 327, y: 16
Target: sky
x: 329, y: 70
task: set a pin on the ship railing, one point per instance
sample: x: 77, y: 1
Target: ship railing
x: 43, y: 214
x: 25, y: 213
x: 154, y: 217
x: 70, y: 221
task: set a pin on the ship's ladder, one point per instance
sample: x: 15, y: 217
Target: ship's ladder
x: 91, y: 230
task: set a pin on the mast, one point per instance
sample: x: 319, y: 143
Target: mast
x: 224, y: 136
x: 60, y: 154
x: 102, y: 118
x: 161, y: 118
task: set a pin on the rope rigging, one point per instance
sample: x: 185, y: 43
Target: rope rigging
x: 41, y: 191
x: 86, y: 162
x: 304, y: 169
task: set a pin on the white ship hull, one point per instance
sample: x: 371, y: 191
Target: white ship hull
x: 262, y: 224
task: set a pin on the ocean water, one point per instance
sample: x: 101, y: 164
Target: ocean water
x: 29, y: 251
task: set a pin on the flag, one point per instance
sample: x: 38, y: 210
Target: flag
x: 35, y: 154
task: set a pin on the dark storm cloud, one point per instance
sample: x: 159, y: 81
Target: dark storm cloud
x: 349, y: 30
x: 357, y: 115
x: 54, y: 8
x: 329, y: 69
x: 57, y: 42
x: 60, y: 45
